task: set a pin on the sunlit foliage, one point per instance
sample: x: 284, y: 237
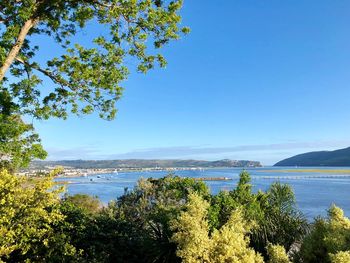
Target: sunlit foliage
x: 29, y: 212
x: 86, y: 76
x: 277, y: 219
x: 340, y: 257
x: 170, y: 219
x: 196, y: 244
x: 277, y: 254
x: 191, y: 231
x: 328, y: 236
x: 19, y: 144
x: 83, y: 75
x: 85, y: 202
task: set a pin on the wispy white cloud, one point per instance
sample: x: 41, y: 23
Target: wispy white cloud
x: 185, y: 151
x: 73, y: 153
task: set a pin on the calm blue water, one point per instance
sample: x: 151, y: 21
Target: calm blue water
x: 313, y: 195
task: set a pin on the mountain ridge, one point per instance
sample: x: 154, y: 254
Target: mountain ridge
x: 145, y: 163
x: 340, y: 157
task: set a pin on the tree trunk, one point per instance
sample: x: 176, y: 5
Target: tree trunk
x: 16, y: 47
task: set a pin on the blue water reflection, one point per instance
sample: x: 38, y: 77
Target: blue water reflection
x: 315, y: 192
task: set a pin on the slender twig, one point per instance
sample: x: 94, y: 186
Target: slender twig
x: 47, y: 73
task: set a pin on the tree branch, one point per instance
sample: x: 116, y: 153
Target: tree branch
x: 29, y: 24
x: 54, y: 78
x: 17, y: 46
x: 44, y: 71
x: 101, y: 4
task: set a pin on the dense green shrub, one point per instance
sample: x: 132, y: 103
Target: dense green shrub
x: 328, y: 236
x: 170, y: 219
x: 277, y: 219
x: 29, y: 218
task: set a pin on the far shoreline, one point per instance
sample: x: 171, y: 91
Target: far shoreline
x: 91, y: 172
x: 69, y: 172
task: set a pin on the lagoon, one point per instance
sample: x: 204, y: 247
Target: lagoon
x: 315, y: 191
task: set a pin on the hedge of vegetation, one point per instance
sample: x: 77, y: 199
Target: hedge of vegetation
x: 171, y: 219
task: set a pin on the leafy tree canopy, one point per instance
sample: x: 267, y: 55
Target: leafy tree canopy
x: 18, y: 141
x: 277, y: 254
x: 90, y: 204
x: 150, y: 207
x: 87, y: 76
x: 340, y: 257
x: 195, y: 244
x: 328, y: 237
x: 84, y: 77
x: 163, y: 220
x: 29, y: 212
x: 276, y: 216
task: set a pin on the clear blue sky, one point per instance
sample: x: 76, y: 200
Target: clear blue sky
x: 258, y: 80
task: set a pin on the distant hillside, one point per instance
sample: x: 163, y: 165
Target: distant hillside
x: 324, y: 158
x: 139, y: 163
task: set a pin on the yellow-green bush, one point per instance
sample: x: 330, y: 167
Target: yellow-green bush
x: 28, y: 213
x: 340, y: 257
x: 328, y: 236
x: 277, y: 254
x: 195, y: 244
